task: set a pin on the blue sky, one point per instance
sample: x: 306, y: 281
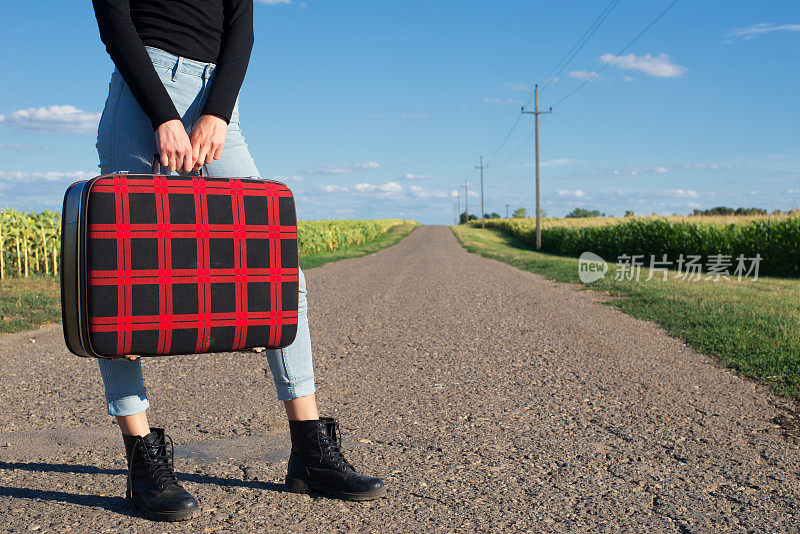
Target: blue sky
x: 381, y: 109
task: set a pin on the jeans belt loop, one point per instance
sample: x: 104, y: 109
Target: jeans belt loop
x: 207, y: 71
x: 177, y: 68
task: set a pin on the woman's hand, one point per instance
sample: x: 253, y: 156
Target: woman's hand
x: 174, y: 148
x: 208, y: 140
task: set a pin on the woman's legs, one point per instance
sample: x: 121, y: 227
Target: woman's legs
x: 292, y: 367
x: 124, y: 137
x: 126, y: 397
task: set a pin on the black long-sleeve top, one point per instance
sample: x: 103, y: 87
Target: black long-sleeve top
x: 214, y: 31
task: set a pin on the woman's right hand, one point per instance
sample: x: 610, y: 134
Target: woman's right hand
x: 174, y: 147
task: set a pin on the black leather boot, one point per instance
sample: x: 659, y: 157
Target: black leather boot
x: 152, y: 485
x: 317, y: 463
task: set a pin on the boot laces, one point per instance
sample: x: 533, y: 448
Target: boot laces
x: 160, y: 461
x: 330, y: 446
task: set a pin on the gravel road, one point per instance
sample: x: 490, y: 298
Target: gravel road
x: 490, y: 399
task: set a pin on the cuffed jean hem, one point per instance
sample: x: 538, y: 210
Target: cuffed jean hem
x: 127, y: 405
x: 294, y: 390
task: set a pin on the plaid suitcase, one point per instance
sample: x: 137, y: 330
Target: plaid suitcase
x: 158, y: 264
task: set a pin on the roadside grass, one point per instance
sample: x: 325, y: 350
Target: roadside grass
x: 27, y: 303
x: 386, y: 239
x: 752, y: 327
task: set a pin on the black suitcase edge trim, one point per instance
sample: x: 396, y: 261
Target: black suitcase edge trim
x: 73, y: 258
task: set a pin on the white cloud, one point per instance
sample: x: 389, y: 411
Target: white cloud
x: 332, y: 188
x: 557, y: 162
x: 289, y: 178
x: 628, y: 78
x: 577, y: 193
x: 763, y: 28
x: 662, y: 169
x: 388, y: 187
x: 37, y: 190
x: 414, y: 115
x: 487, y: 100
x: 62, y: 119
x: 16, y: 146
x: 660, y: 66
x: 367, y: 165
x: 345, y: 168
x: 20, y: 177
x: 421, y: 192
x: 516, y: 87
x: 683, y: 193
x: 391, y: 187
x: 411, y: 176
x: 583, y: 75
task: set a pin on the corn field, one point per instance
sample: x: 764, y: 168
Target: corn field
x: 775, y: 238
x: 323, y: 236
x: 30, y: 243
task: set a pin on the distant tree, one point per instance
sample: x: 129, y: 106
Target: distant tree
x: 579, y: 213
x: 751, y: 211
x: 629, y: 213
x: 493, y: 216
x: 519, y: 213
x: 724, y: 210
x: 463, y: 217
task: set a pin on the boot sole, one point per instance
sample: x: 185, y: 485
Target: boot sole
x: 298, y: 485
x: 169, y: 516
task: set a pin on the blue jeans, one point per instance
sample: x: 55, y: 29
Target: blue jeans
x: 125, y: 141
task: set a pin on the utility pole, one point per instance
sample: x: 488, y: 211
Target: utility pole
x: 536, y: 114
x: 483, y: 213
x: 458, y: 218
x: 506, y: 211
x: 466, y: 201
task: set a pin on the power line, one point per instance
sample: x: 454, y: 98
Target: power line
x: 622, y: 50
x: 505, y: 140
x: 603, y: 15
x: 520, y: 147
x: 579, y: 44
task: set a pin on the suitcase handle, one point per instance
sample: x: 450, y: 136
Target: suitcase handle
x: 155, y: 168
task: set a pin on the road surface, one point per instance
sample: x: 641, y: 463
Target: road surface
x: 490, y: 399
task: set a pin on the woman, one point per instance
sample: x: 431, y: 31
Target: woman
x: 174, y: 93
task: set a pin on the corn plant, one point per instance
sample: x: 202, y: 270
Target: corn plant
x: 775, y: 238
x: 30, y: 242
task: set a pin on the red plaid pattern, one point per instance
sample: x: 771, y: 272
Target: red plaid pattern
x: 181, y: 265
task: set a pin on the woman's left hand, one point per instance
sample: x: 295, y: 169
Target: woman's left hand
x: 208, y: 140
